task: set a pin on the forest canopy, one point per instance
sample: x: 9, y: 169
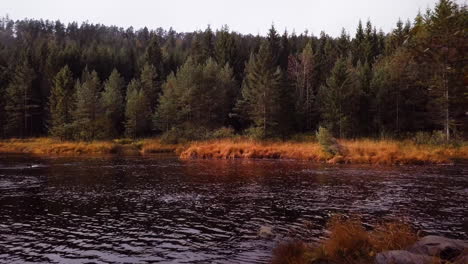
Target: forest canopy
x: 92, y: 81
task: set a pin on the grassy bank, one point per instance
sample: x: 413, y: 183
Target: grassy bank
x: 49, y: 146
x: 384, y: 152
x: 348, y: 243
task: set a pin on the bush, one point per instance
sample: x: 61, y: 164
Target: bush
x: 294, y: 252
x: 327, y: 141
x: 123, y: 141
x: 304, y: 137
x: 348, y: 243
x: 255, y: 133
x: 434, y: 138
x: 184, y: 134
x: 224, y: 132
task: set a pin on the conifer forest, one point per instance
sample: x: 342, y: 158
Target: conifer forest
x: 91, y: 81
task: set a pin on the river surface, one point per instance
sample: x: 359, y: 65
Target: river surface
x: 163, y: 210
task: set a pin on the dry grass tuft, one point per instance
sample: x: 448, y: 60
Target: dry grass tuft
x: 293, y: 252
x: 364, y: 151
x: 348, y: 243
x: 392, y: 236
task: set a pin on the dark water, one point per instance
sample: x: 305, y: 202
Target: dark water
x: 162, y: 210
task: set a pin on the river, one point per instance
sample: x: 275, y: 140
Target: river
x: 160, y: 209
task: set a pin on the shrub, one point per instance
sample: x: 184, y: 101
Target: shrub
x: 294, y: 252
x: 348, y: 240
x: 255, y: 133
x: 348, y: 243
x: 304, y: 137
x: 224, y: 132
x: 327, y: 141
x: 434, y: 138
x: 184, y: 134
x: 123, y: 141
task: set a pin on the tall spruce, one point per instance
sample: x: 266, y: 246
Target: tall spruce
x: 62, y: 104
x: 261, y: 90
x: 21, y: 104
x: 88, y: 122
x: 113, y: 104
x: 136, y: 110
x: 339, y: 99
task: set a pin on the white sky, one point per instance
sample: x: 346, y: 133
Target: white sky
x: 245, y: 16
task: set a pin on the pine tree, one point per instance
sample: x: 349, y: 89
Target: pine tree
x: 153, y: 55
x: 283, y: 56
x: 225, y: 48
x: 20, y: 102
x: 150, y: 84
x: 274, y: 45
x: 343, y: 44
x: 87, y: 116
x: 444, y: 48
x: 171, y: 110
x: 208, y: 44
x: 136, y: 110
x: 199, y: 96
x: 196, y: 50
x: 358, y: 41
x: 61, y: 104
x: 301, y: 71
x: 261, y: 91
x: 338, y: 98
x: 113, y: 104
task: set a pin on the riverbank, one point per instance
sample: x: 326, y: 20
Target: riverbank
x: 49, y: 146
x: 349, y: 242
x: 383, y: 152
x: 364, y: 151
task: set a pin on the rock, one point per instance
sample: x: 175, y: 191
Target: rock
x: 445, y: 248
x: 402, y: 257
x: 265, y: 232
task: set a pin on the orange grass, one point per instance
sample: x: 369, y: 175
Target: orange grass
x: 362, y: 151
x: 348, y: 243
x: 249, y: 149
x: 149, y: 146
x: 50, y: 146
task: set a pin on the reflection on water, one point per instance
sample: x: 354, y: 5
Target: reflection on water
x: 160, y: 209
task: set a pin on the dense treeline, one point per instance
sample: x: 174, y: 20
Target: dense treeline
x: 91, y: 81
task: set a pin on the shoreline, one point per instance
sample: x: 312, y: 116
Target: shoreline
x: 361, y: 151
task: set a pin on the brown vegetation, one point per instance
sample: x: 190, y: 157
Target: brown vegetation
x: 50, y: 146
x: 384, y: 152
x: 363, y: 151
x: 348, y: 243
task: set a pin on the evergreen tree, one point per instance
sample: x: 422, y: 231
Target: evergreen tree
x: 20, y: 102
x: 301, y: 71
x: 274, y: 45
x: 261, y: 90
x: 338, y: 98
x: 88, y: 121
x: 150, y: 84
x: 136, y: 110
x: 226, y: 48
x: 153, y: 55
x: 208, y: 42
x: 343, y: 44
x: 113, y: 104
x: 61, y: 104
x: 199, y: 96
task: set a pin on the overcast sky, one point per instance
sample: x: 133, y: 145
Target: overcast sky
x: 245, y: 16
